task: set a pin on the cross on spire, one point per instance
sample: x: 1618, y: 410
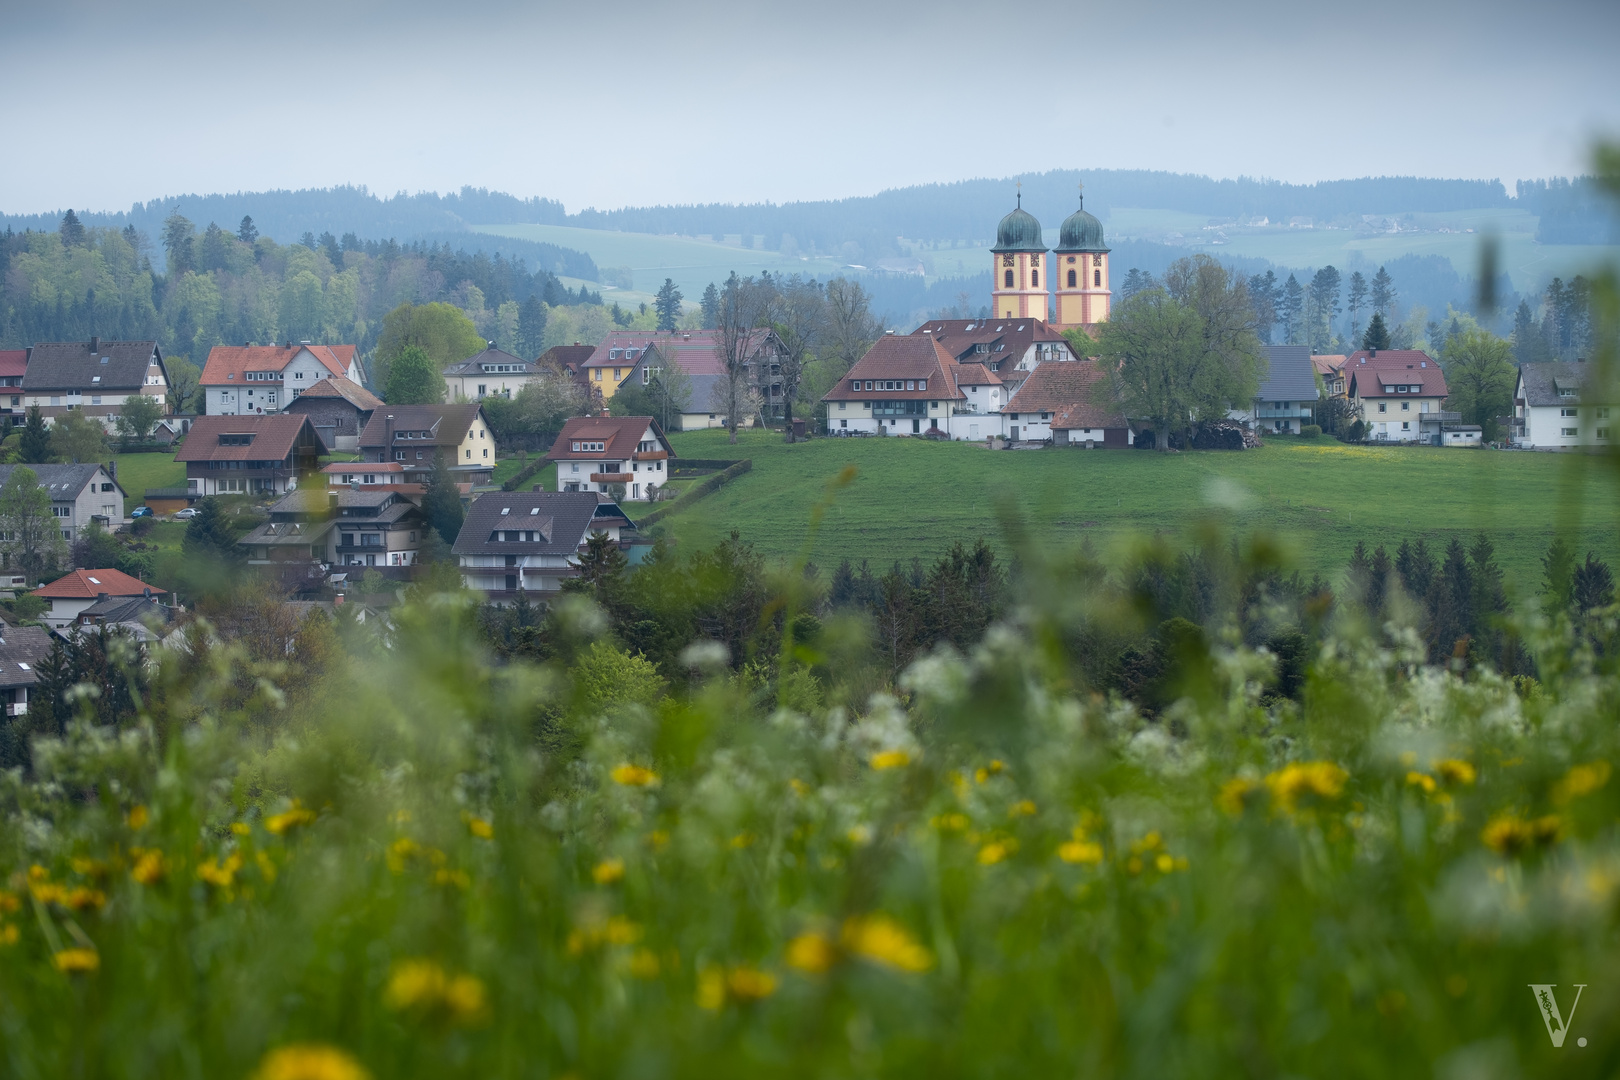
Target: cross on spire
x: 1082, y: 188
x: 1020, y: 194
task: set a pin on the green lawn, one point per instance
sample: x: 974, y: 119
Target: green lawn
x: 508, y: 467
x: 914, y: 498
x: 137, y: 472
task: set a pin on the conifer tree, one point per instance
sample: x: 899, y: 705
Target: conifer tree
x: 711, y: 307
x: 668, y: 305
x: 532, y: 327
x: 1593, y: 585
x: 72, y: 230
x: 1293, y: 308
x: 35, y: 448
x: 1377, y: 335
x: 247, y: 232
x: 1383, y: 293
x: 178, y: 235
x: 1557, y: 577
x: 442, y: 501
x: 1356, y: 300
x: 1415, y: 566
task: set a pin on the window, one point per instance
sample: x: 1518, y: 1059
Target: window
x: 596, y: 373
x: 1603, y: 414
x: 843, y: 423
x: 1071, y: 279
x: 482, y: 389
x: 1569, y: 432
x: 841, y: 406
x: 1008, y: 280
x: 614, y: 354
x: 1406, y: 425
x: 1406, y: 406
x: 419, y: 453
x: 95, y: 399
x: 1382, y: 407
x: 1603, y: 433
x: 1569, y: 412
x: 1034, y: 279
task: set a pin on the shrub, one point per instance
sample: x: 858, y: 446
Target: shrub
x: 1310, y: 431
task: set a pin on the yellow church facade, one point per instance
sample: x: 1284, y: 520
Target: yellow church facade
x: 1028, y: 276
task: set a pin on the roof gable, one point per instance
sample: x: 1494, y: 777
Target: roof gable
x: 1291, y: 375
x: 73, y: 365
x: 227, y: 364
x: 1057, y: 385
x: 894, y: 358
x: 619, y: 436
x: 247, y: 438
x: 338, y: 386
x: 89, y: 584
x: 446, y: 425
x: 62, y: 482
x: 560, y: 522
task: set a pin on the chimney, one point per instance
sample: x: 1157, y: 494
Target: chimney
x: 538, y: 487
x: 95, y: 345
x: 1373, y: 353
x: 147, y: 592
x: 332, y: 500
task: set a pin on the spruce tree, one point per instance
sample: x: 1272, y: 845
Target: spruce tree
x: 1557, y: 577
x: 1377, y: 335
x: 72, y: 230
x: 209, y: 535
x: 247, y: 232
x: 1415, y: 566
x: 1356, y: 300
x: 711, y: 307
x: 668, y: 305
x: 532, y: 326
x: 1293, y: 310
x: 35, y: 448
x: 442, y: 501
x: 1593, y: 585
x: 1383, y: 293
x: 1378, y: 581
x: 178, y: 236
x: 1359, y: 575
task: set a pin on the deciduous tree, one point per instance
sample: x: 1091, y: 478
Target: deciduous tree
x: 30, y: 535
x: 799, y: 317
x: 414, y: 379
x: 1480, y: 376
x: 77, y: 438
x: 744, y: 308
x: 137, y: 417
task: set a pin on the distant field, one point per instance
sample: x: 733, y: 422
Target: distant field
x: 913, y: 498
x: 691, y: 263
x: 1529, y: 264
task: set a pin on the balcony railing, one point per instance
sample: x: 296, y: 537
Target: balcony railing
x: 611, y: 478
x: 650, y: 455
x: 1278, y: 414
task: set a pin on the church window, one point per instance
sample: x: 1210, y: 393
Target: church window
x: 1096, y: 278
x: 1034, y: 279
x: 1009, y: 280
x: 1071, y: 279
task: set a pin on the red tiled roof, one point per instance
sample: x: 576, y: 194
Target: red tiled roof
x: 89, y: 584
x: 619, y: 436
x: 976, y: 374
x: 566, y: 355
x: 896, y: 359
x: 273, y: 437
x: 978, y: 337
x: 228, y: 360
x: 13, y: 362
x: 1058, y: 385
x: 1369, y: 374
x: 339, y: 386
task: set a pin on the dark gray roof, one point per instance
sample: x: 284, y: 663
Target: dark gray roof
x: 560, y: 520
x: 474, y: 365
x: 1543, y: 381
x: 21, y: 645
x: 119, y: 609
x: 1292, y: 376
x: 306, y: 501
x: 63, y: 482
x: 71, y: 365
x: 447, y: 424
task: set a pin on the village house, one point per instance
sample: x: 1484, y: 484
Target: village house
x: 491, y: 372
x: 570, y: 361
x: 376, y: 526
x: 70, y: 595
x: 601, y: 453
x: 239, y: 380
x: 697, y: 351
x: 1286, y: 400
x: 415, y: 435
x: 1330, y: 369
x: 21, y: 650
x: 141, y: 617
x: 79, y: 495
x: 904, y: 385
x: 1398, y: 394
x: 338, y: 407
x: 248, y: 455
x: 692, y: 351
x: 1556, y: 406
x: 1066, y: 398
x: 531, y: 540
x: 13, y: 366
x: 93, y: 376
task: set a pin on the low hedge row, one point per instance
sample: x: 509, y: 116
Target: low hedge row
x: 524, y: 475
x: 707, y: 486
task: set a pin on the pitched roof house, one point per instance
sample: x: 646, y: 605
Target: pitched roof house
x: 531, y: 540
x: 415, y: 434
x: 21, y: 650
x: 94, y: 376
x: 900, y: 383
x: 260, y: 379
x: 491, y: 371
x: 696, y: 351
x: 1001, y: 344
x: 139, y: 616
x: 596, y: 453
x: 71, y: 594
x: 1330, y: 369
x: 79, y: 495
x: 13, y: 366
x: 237, y: 455
x: 337, y: 526
x: 339, y: 408
x: 1066, y: 397
x: 1399, y: 393
x: 1286, y: 399
x: 1561, y: 405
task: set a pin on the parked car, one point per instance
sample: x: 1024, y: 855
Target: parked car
x: 140, y: 512
x: 187, y: 514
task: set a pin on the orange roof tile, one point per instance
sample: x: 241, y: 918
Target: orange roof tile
x: 89, y: 584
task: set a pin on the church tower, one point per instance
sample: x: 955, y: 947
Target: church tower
x: 1080, y: 262
x: 1020, y: 289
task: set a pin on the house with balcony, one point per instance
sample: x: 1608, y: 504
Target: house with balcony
x: 1286, y: 399
x: 314, y: 528
x: 80, y: 494
x: 260, y: 380
x: 13, y: 366
x: 1562, y: 406
x: 1398, y: 393
x: 414, y: 435
x: 69, y: 596
x: 94, y: 377
x: 604, y: 454
x: 490, y: 373
x: 21, y: 650
x: 249, y: 455
x: 904, y: 385
x: 530, y: 541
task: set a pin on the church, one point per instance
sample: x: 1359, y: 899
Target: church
x: 1026, y: 274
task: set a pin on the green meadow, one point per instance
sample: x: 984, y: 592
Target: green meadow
x: 915, y: 498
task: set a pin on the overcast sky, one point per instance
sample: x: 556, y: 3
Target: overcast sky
x: 634, y: 102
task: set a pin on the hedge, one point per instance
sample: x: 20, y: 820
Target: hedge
x: 525, y: 474
x: 707, y: 486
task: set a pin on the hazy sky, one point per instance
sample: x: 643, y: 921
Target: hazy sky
x: 633, y: 102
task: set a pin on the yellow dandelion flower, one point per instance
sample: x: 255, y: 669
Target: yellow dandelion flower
x: 454, y: 878
x: 292, y: 818
x: 310, y: 1061
x: 481, y: 828
x: 980, y: 775
x: 859, y: 835
x: 9, y: 902
x: 47, y: 892
x: 1301, y: 784
x: 8, y: 934
x: 742, y: 840
x: 711, y: 989
x: 889, y: 759
x: 400, y: 851
x: 1081, y: 851
x: 221, y: 873
x: 1581, y: 780
x: 138, y: 817
x: 1455, y: 771
x: 94, y: 868
x: 749, y: 984
x: 76, y: 961
x: 465, y: 999
x: 1164, y: 864
x: 634, y: 776
x: 949, y: 822
x: 811, y: 953
x: 1508, y: 834
x: 241, y: 828
x: 267, y: 866
x: 995, y: 851
x: 415, y: 984
x: 1133, y: 865
x: 608, y: 871
x: 882, y: 940
x: 1235, y: 794
x: 658, y: 839
x: 1022, y: 808
x: 621, y: 931
x: 644, y: 964
x: 84, y: 899
x: 1420, y: 780
x: 799, y: 786
x: 38, y: 873
x: 996, y: 766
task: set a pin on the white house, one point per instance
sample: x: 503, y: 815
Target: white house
x: 530, y: 540
x: 1557, y: 406
x: 79, y: 495
x: 94, y: 377
x: 1286, y: 400
x: 597, y: 453
x: 1399, y: 394
x: 67, y: 596
x: 491, y: 373
x: 242, y: 380
x: 902, y: 386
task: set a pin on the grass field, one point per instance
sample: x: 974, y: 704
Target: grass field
x: 137, y: 472
x: 914, y: 498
